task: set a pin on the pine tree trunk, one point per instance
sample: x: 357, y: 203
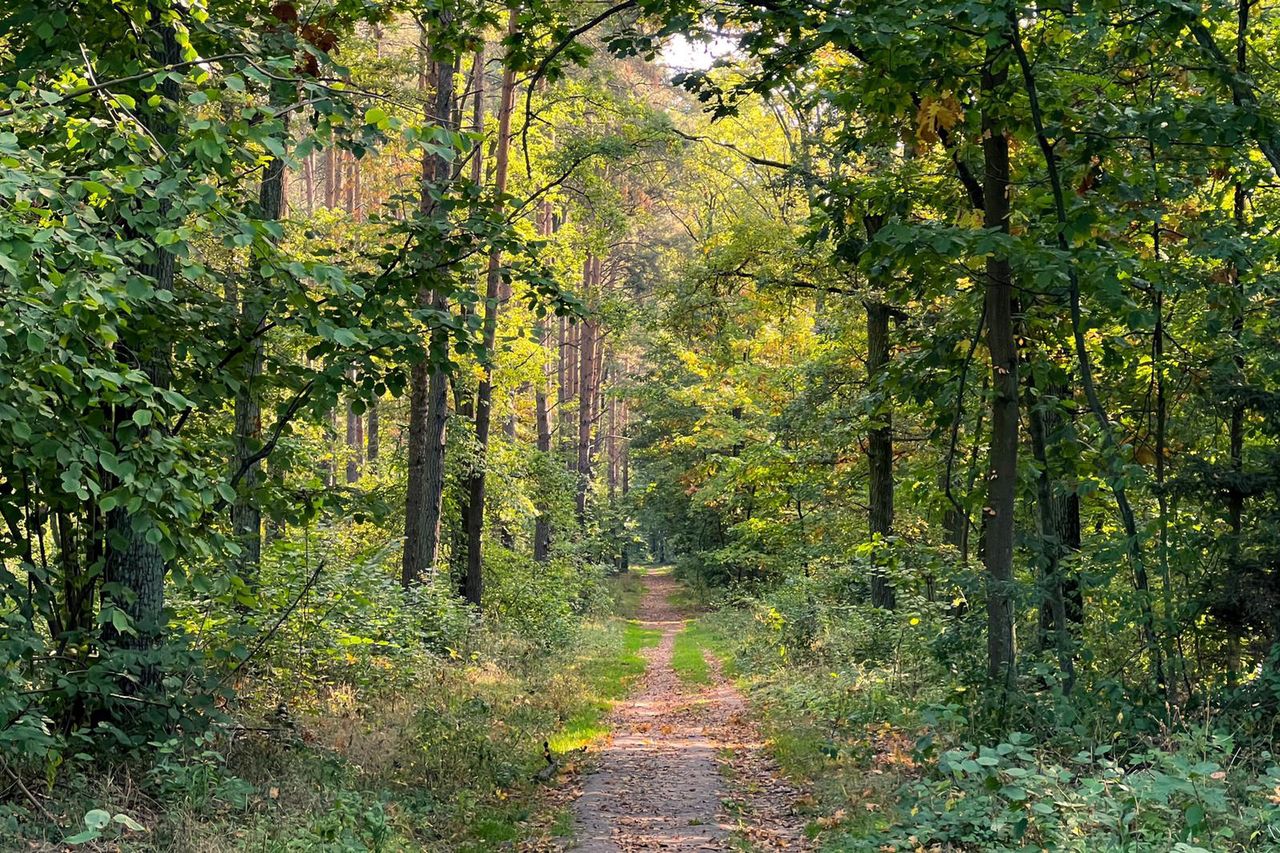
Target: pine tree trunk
x: 542, y: 524
x: 611, y: 448
x: 474, y: 582
x: 309, y: 182
x: 586, y: 396
x: 357, y: 192
x: 562, y: 385
x: 1235, y: 428
x: 330, y: 177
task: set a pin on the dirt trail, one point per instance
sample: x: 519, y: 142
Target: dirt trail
x: 658, y: 784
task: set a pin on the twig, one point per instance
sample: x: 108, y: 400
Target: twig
x: 279, y: 622
x: 30, y: 796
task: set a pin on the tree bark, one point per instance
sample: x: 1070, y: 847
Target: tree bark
x: 428, y: 394
x: 246, y: 513
x: 355, y: 444
x: 542, y: 524
x: 1053, y: 524
x: 586, y: 395
x: 474, y: 582
x: 562, y: 385
x: 879, y: 450
x: 309, y: 181
x: 134, y: 567
x: 998, y: 526
x: 331, y: 178
x: 372, y: 436
x: 1235, y: 428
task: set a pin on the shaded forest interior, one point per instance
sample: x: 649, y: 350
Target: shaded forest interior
x: 354, y: 354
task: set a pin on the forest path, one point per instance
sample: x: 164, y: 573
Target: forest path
x: 658, y: 784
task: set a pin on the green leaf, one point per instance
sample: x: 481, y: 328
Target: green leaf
x: 119, y: 621
x: 83, y: 837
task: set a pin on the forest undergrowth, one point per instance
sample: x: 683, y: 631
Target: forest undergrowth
x: 346, y: 742
x: 351, y: 351
x: 866, y: 709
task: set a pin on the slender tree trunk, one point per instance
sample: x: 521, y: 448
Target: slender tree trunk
x: 562, y: 385
x: 350, y: 170
x: 626, y: 450
x: 354, y: 445
x: 357, y: 192
x: 998, y: 528
x: 1051, y: 524
x: 331, y: 179
x: 429, y: 385
x: 542, y: 524
x: 477, y: 112
x: 372, y: 437
x: 474, y: 582
x: 575, y: 352
x: 611, y: 448
x: 586, y: 396
x: 309, y: 181
x: 134, y: 570
x: 1235, y: 430
x: 880, y: 449
x: 1115, y: 479
x: 246, y: 514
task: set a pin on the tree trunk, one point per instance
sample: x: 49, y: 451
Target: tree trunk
x: 246, y: 514
x: 354, y: 444
x: 474, y: 582
x: 542, y: 525
x: 562, y: 385
x: 1235, y: 429
x: 331, y: 178
x: 586, y: 396
x: 309, y: 181
x: 134, y: 567
x: 1051, y: 508
x: 428, y: 394
x: 350, y: 170
x: 372, y: 437
x: 879, y: 449
x: 357, y: 192
x: 998, y: 526
x: 1115, y: 478
x: 611, y: 447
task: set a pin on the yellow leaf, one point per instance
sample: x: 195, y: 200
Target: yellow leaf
x: 942, y: 112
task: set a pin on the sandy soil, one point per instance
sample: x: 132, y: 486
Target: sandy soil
x: 684, y: 769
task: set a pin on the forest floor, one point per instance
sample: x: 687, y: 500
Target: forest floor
x: 685, y: 768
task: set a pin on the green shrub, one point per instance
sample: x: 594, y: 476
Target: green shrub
x: 541, y: 602
x: 1015, y: 796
